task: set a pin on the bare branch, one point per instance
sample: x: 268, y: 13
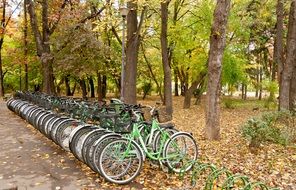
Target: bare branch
x: 116, y: 34
x: 12, y: 14
x: 141, y: 21
x: 34, y: 25
x: 95, y: 14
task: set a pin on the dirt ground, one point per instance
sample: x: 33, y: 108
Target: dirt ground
x: 30, y: 161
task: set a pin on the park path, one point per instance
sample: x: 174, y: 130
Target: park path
x: 28, y: 160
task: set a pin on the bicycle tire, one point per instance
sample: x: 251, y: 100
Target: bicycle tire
x: 74, y: 148
x: 95, y: 148
x: 176, y: 154
x: 93, y: 135
x: 122, y: 177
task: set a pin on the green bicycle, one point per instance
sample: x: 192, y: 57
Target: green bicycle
x: 121, y: 160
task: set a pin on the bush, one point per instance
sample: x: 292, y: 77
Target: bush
x: 275, y: 127
x: 272, y: 88
x: 229, y: 104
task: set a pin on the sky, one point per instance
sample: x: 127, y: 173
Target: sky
x: 16, y: 6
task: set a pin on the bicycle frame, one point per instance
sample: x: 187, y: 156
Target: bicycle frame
x: 136, y: 134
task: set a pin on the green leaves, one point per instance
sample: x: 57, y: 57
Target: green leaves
x: 234, y: 65
x: 271, y: 127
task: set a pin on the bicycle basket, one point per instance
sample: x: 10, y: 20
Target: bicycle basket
x: 116, y: 123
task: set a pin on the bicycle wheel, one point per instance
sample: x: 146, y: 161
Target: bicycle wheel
x: 89, y: 140
x: 58, y: 127
x: 75, y: 143
x: 180, y: 152
x: 96, y: 148
x: 63, y: 134
x: 120, y: 161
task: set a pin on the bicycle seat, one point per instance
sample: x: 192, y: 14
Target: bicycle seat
x: 167, y: 125
x: 147, y: 122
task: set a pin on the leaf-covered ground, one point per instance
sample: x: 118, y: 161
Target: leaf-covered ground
x: 273, y: 164
x: 30, y: 160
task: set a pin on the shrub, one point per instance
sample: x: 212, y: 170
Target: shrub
x: 275, y: 127
x: 229, y: 104
x: 272, y: 88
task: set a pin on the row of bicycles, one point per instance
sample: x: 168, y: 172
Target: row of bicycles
x: 113, y: 139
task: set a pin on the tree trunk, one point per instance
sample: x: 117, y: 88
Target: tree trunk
x: 104, y: 86
x: 58, y: 90
x: 260, y: 83
x: 199, y: 93
x: 130, y: 68
x: 152, y: 75
x: 293, y: 89
x: 183, y: 80
x: 67, y: 84
x: 190, y: 91
x: 146, y: 90
x: 26, y: 46
x: 3, y: 22
x: 74, y: 88
x: 92, y: 87
x: 176, y: 82
x: 47, y: 71
x: 245, y: 91
x: 278, y: 54
x: 168, y: 99
x: 99, y: 90
x: 257, y: 82
x: 177, y: 7
x: 284, y: 100
x: 259, y: 75
x: 217, y: 45
x: 83, y: 88
x: 188, y: 95
x: 262, y: 62
x: 42, y: 42
x: 1, y: 73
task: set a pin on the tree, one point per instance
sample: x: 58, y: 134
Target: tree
x: 168, y: 99
x: 132, y: 50
x: 4, y: 23
x: 196, y: 84
x: 42, y: 40
x: 26, y: 46
x: 217, y: 45
x: 278, y: 55
x: 287, y: 73
x: 293, y: 89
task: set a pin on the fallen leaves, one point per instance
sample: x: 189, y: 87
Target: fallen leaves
x: 273, y: 164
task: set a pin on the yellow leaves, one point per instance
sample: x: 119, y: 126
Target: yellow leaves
x: 45, y: 156
x: 37, y: 184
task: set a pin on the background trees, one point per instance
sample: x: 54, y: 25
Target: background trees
x: 5, y: 22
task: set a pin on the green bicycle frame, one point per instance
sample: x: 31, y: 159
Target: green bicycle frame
x: 136, y: 135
